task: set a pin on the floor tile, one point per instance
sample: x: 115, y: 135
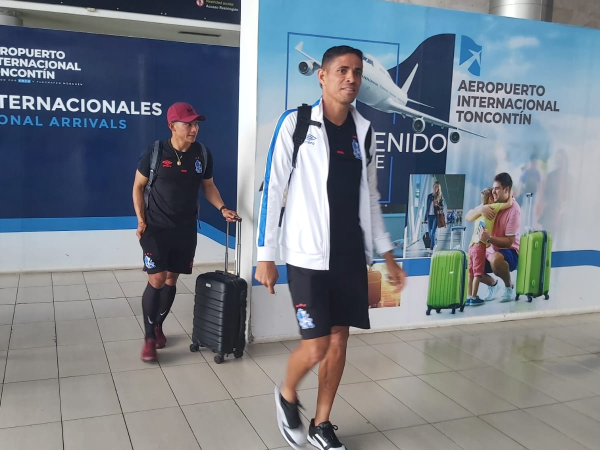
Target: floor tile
x: 67, y: 278
x: 413, y: 335
x: 378, y: 406
x: 243, y: 378
x: 3, y: 356
x: 9, y: 280
x: 33, y: 313
x: 125, y: 355
x: 30, y: 403
x: 272, y: 348
x: 99, y: 277
x: 126, y: 276
x: 573, y: 337
x: 489, y: 354
x: 71, y: 293
x: 374, y: 364
x: 183, y: 303
x: 349, y: 421
x: 8, y: 296
x: 82, y: 359
x: 88, y: 396
x: 573, y: 372
x: 111, y: 307
x: 574, y: 424
x: 473, y: 433
x: 97, y: 433
x: 445, y: 332
x: 35, y: 280
x: 75, y: 310
x: 423, y: 437
x: 292, y: 345
x: 134, y: 288
x: 161, y: 429
x: 136, y: 305
x: 371, y: 441
x: 589, y: 406
x: 41, y: 294
x: 467, y: 393
x: 206, y: 386
x: 355, y: 341
x: 105, y: 290
x: 212, y: 424
x: 530, y: 432
x: 184, y: 289
x: 141, y: 390
x: 47, y: 436
x: 171, y: 327
x: 427, y: 402
x: 6, y: 314
x: 560, y: 348
x: 177, y: 352
x: 413, y: 360
x: 448, y: 355
x: 546, y: 382
x: 186, y: 320
x: 378, y: 338
x: 32, y: 335
x: 510, y: 389
x: 260, y: 412
x: 275, y: 367
x: 120, y: 329
x: 75, y: 332
x: 591, y: 362
x: 31, y: 364
x: 5, y: 331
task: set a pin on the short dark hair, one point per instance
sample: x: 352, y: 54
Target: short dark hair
x: 505, y: 180
x: 340, y: 50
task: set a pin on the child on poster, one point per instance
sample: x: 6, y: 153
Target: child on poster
x: 477, y: 249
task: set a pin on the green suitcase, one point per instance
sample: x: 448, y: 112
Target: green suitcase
x: 448, y: 279
x: 535, y: 259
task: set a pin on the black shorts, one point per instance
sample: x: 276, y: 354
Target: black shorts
x: 324, y: 299
x: 169, y: 249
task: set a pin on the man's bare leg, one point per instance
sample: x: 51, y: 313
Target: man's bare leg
x: 330, y: 372
x: 500, y: 268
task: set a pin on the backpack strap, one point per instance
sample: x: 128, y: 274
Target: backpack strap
x: 368, y: 141
x: 154, y: 164
x: 303, y: 123
x: 204, y: 160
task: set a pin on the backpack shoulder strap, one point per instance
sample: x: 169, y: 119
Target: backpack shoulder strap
x: 204, y: 158
x: 154, y: 164
x: 368, y: 141
x: 302, y: 124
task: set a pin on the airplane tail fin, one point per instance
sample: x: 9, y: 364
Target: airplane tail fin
x: 409, y: 80
x: 299, y: 46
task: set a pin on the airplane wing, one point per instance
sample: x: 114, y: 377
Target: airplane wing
x: 310, y: 58
x: 406, y: 111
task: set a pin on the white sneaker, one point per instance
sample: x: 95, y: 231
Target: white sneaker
x: 492, y: 292
x: 508, y: 296
x: 288, y: 420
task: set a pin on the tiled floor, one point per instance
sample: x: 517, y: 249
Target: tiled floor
x: 71, y: 379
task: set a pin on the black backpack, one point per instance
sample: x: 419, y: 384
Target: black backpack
x: 303, y: 123
x: 155, y: 159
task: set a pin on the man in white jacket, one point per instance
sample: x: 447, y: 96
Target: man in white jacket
x: 332, y: 219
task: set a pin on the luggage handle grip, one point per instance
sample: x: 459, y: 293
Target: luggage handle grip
x: 238, y: 250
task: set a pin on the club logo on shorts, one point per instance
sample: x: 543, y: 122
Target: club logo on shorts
x: 198, y: 166
x: 304, y: 319
x: 148, y: 262
x: 356, y: 148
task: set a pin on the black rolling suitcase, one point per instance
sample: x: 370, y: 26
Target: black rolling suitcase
x: 220, y: 308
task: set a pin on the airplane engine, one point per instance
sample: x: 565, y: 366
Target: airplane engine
x: 418, y: 125
x: 306, y: 68
x: 454, y: 137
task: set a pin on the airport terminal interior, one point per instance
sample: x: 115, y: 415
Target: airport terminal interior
x: 71, y: 321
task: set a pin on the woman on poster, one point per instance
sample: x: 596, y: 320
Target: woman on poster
x: 435, y: 212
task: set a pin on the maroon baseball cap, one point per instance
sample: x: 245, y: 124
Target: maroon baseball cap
x: 183, y: 112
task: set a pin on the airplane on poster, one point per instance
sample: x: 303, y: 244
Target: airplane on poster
x: 379, y: 91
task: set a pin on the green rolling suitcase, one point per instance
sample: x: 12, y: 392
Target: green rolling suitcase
x: 448, y: 277
x: 535, y: 261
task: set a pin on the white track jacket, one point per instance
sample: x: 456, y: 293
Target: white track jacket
x: 305, y: 234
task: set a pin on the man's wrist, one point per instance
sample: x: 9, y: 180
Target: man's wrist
x: 222, y: 208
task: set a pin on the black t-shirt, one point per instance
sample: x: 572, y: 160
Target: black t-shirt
x: 343, y: 191
x: 173, y: 198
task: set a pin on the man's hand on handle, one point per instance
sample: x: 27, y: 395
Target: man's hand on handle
x: 230, y: 215
x: 267, y: 275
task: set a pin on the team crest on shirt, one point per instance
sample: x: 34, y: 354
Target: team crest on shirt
x: 198, y: 166
x: 356, y: 148
x: 148, y: 262
x: 304, y: 319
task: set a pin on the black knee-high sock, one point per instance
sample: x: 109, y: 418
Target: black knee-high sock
x: 150, y: 307
x: 167, y: 297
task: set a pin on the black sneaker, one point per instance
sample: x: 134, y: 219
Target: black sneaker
x: 323, y: 437
x: 288, y: 419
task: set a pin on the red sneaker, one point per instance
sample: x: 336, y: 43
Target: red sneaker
x: 149, y: 350
x: 161, y: 339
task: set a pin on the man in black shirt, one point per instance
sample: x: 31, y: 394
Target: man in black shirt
x: 167, y: 227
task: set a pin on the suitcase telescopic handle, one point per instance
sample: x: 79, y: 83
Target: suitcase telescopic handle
x: 462, y: 236
x: 238, y: 245
x: 529, y: 209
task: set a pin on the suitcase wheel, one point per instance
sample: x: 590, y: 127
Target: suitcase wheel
x: 517, y: 298
x: 453, y: 310
x: 438, y: 311
x: 194, y: 348
x: 219, y: 358
x: 238, y: 354
x: 530, y: 298
x: 428, y: 312
x: 546, y: 296
x: 462, y: 308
